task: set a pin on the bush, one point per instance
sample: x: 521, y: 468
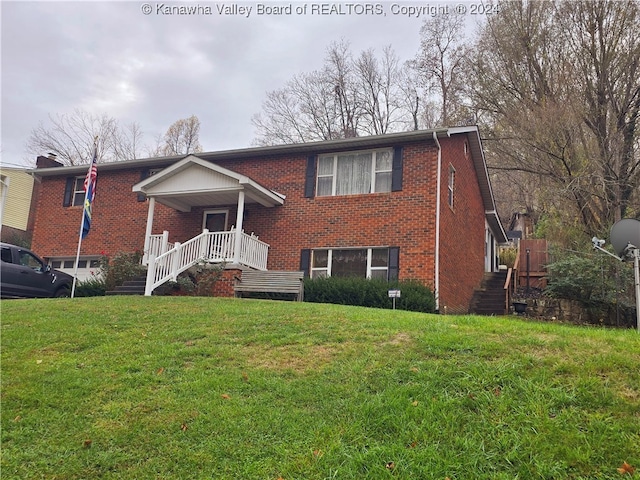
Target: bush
x: 508, y: 256
x: 92, y: 287
x: 199, y: 281
x: 121, y: 267
x: 590, y: 279
x: 369, y: 293
x: 205, y: 277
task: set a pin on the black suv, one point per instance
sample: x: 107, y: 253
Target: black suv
x: 24, y: 274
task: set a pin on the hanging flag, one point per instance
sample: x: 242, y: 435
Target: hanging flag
x: 90, y: 192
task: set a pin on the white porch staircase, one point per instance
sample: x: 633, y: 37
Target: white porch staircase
x: 165, y: 261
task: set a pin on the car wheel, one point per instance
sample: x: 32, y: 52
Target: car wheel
x: 62, y: 293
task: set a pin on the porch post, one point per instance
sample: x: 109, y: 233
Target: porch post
x: 239, y: 216
x: 149, y: 229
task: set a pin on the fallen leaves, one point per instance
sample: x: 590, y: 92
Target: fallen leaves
x: 160, y: 371
x: 184, y: 427
x: 86, y: 443
x: 225, y: 396
x: 626, y: 469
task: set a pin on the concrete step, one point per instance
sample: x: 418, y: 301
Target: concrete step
x: 130, y: 287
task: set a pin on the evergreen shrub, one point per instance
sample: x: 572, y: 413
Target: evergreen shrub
x: 369, y: 293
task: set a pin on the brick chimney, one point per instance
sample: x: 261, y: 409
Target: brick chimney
x: 48, y: 161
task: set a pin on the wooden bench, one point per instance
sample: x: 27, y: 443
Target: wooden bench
x: 271, y: 282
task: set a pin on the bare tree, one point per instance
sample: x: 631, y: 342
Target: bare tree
x: 347, y: 97
x: 128, y: 141
x: 71, y: 138
x: 341, y: 73
x: 380, y: 90
x: 182, y: 137
x: 603, y: 39
x: 440, y: 66
x: 559, y: 86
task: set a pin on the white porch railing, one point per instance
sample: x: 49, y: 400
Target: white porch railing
x: 158, y: 244
x: 214, y: 247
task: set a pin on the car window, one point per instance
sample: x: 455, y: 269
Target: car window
x: 5, y: 255
x: 28, y: 260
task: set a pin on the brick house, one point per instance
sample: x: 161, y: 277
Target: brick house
x: 415, y: 205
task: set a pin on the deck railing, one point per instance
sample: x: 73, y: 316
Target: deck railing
x: 210, y: 247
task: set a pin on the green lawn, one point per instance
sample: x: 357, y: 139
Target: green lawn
x: 185, y: 387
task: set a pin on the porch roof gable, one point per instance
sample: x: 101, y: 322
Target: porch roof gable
x: 195, y: 182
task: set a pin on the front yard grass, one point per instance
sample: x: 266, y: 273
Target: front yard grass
x: 187, y: 387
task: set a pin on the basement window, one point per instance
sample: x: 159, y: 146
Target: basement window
x: 361, y: 263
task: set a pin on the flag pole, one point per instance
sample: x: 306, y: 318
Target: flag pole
x: 75, y: 272
x: 86, y: 195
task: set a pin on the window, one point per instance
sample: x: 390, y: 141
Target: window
x: 6, y: 255
x: 215, y: 220
x: 78, y: 192
x: 363, y: 263
x: 28, y: 260
x: 354, y: 173
x: 452, y: 176
x: 88, y: 267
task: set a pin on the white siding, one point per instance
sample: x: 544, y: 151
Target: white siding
x: 195, y: 178
x: 18, y: 199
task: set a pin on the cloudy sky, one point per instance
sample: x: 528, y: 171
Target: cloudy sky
x: 146, y: 62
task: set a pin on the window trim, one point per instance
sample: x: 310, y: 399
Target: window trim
x: 374, y: 171
x: 78, y: 181
x: 315, y: 272
x: 216, y: 211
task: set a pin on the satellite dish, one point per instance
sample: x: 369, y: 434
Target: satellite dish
x: 623, y: 233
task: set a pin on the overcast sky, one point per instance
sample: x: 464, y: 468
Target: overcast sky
x: 134, y: 61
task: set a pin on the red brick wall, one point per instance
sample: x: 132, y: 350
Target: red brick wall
x: 462, y: 230
x: 224, y: 286
x: 405, y: 219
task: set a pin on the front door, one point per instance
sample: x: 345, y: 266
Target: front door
x: 215, y: 220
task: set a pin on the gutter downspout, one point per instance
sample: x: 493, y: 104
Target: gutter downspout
x: 436, y: 292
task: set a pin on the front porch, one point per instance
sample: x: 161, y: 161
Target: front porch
x: 193, y: 182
